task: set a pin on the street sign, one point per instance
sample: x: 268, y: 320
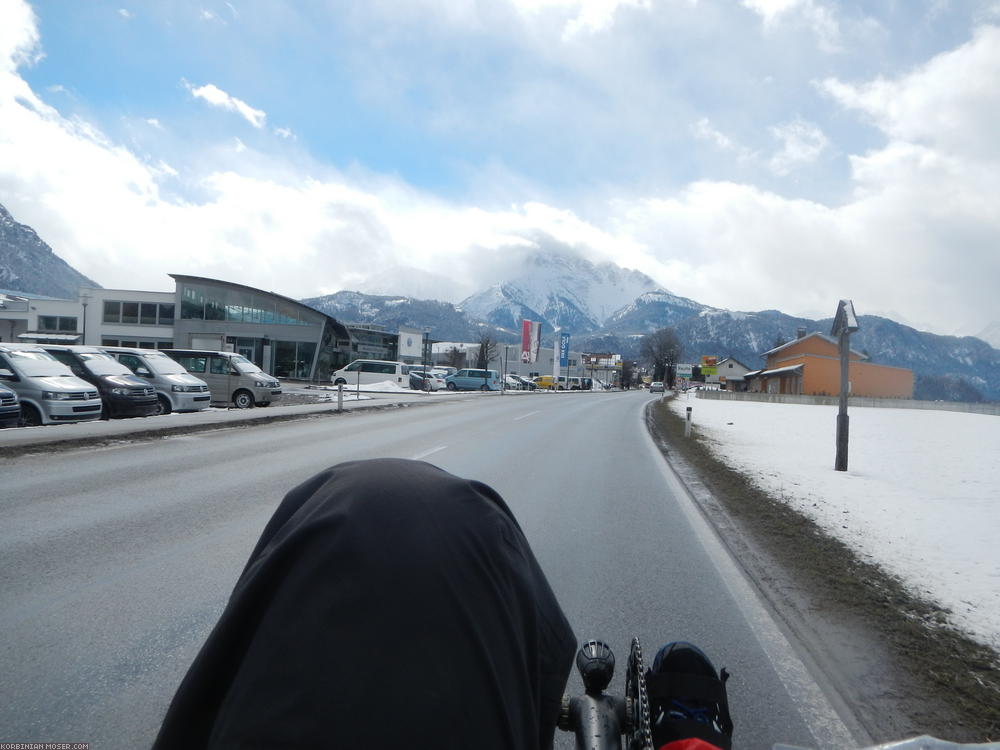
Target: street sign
x: 685, y: 371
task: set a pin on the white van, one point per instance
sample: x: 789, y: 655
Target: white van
x: 49, y: 392
x: 231, y: 377
x: 371, y: 371
x: 176, y: 388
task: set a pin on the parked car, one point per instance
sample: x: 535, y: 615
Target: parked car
x: 544, y: 382
x: 10, y: 408
x: 231, y: 378
x: 444, y: 370
x: 511, y: 383
x: 48, y: 390
x: 422, y: 380
x: 124, y: 394
x: 526, y: 384
x: 474, y: 380
x: 371, y: 371
x: 656, y: 387
x: 176, y: 388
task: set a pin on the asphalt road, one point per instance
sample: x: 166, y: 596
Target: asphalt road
x: 115, y: 562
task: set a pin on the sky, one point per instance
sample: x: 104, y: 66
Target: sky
x: 747, y: 154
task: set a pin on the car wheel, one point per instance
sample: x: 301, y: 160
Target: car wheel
x: 340, y: 381
x: 242, y: 399
x: 30, y: 416
x: 162, y: 404
x: 451, y: 386
x: 484, y: 388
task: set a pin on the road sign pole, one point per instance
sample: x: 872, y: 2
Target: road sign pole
x: 843, y: 421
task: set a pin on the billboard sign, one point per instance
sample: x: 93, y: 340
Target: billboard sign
x: 685, y: 371
x: 564, y: 350
x: 530, y: 340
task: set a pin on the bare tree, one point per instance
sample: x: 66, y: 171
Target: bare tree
x: 661, y: 350
x: 455, y: 357
x: 486, y: 352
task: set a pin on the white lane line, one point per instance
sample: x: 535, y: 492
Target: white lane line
x: 525, y: 416
x: 425, y: 454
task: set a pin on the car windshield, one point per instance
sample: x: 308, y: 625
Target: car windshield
x: 100, y: 363
x: 162, y: 364
x: 245, y: 366
x: 37, y: 364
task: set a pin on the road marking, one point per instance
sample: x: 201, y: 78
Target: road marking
x: 525, y: 416
x: 425, y: 454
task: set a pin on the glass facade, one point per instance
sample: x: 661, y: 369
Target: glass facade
x: 281, y: 336
x: 237, y: 306
x: 64, y: 323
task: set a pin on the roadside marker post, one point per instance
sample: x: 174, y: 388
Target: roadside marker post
x: 687, y: 424
x: 340, y: 397
x: 845, y: 322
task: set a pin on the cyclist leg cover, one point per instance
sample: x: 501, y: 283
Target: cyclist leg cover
x: 388, y: 604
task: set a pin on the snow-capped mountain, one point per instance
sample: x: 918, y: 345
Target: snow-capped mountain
x: 27, y: 263
x: 991, y: 334
x: 560, y: 290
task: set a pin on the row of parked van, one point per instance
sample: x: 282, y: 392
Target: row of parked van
x: 48, y: 384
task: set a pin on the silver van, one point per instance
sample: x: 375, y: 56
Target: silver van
x: 176, y: 388
x: 49, y: 392
x: 232, y: 378
x: 371, y: 371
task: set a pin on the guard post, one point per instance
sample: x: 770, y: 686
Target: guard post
x: 845, y: 322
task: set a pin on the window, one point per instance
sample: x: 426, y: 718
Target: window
x: 131, y: 361
x: 57, y: 323
x: 147, y: 313
x: 112, y: 312
x: 166, y: 314
x: 130, y: 312
x: 220, y: 366
x: 192, y: 363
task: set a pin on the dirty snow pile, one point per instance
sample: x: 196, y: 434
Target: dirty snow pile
x: 921, y: 497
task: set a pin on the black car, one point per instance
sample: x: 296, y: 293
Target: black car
x: 123, y: 394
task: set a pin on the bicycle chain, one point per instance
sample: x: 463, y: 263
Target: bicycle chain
x: 641, y: 703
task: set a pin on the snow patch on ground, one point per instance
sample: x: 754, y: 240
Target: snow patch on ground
x: 921, y: 497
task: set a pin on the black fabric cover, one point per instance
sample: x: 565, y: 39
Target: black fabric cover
x: 388, y: 604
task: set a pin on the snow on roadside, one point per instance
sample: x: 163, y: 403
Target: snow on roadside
x: 921, y: 497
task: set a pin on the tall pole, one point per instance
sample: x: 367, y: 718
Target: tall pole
x: 555, y: 360
x: 843, y: 421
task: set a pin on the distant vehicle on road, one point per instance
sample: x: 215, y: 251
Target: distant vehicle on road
x: 656, y: 387
x: 176, y: 388
x: 48, y: 390
x: 474, y: 380
x: 231, y: 378
x: 124, y: 394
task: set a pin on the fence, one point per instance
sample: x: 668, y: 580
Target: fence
x: 883, y: 403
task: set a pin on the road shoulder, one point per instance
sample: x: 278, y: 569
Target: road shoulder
x: 897, y: 667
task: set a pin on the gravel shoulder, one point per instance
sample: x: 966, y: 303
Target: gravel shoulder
x: 898, y: 669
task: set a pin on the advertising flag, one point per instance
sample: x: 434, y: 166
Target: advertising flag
x: 564, y: 350
x: 530, y: 340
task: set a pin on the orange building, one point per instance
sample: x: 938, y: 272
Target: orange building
x: 810, y: 365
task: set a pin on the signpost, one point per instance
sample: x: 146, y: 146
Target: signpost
x: 845, y: 322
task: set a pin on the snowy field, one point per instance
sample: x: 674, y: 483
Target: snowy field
x: 921, y: 497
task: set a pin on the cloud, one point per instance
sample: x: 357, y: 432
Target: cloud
x: 801, y: 143
x: 219, y: 98
x: 285, y: 133
x: 915, y: 231
x: 813, y: 14
x: 152, y: 121
x: 124, y: 13
x: 20, y: 43
x: 579, y: 16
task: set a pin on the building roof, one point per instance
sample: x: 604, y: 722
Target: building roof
x: 790, y: 370
x: 816, y: 334
x: 339, y: 328
x: 33, y: 336
x: 731, y: 359
x: 29, y: 295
